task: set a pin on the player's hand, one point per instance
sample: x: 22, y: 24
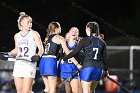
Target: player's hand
x: 105, y: 73
x: 105, y: 68
x: 35, y: 58
x: 79, y: 66
x: 4, y: 56
x: 62, y: 61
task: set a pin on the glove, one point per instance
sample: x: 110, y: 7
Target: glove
x: 105, y: 72
x: 35, y: 58
x: 105, y: 68
x: 4, y: 56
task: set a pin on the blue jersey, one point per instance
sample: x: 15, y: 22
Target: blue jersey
x: 70, y: 48
x: 48, y: 62
x: 94, y: 50
x: 94, y: 58
x: 67, y: 68
x: 52, y: 48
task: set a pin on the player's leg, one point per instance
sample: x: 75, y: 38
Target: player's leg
x: 27, y: 85
x: 75, y: 85
x: 93, y: 86
x: 58, y: 83
x: 86, y: 86
x: 45, y: 80
x: 19, y: 84
x: 80, y: 86
x: 68, y: 87
x: 52, y: 83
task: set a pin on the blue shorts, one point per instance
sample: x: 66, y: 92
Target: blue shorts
x: 91, y: 74
x: 48, y: 65
x: 67, y: 69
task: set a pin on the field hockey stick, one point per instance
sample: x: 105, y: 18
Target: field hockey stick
x: 124, y: 88
x: 68, y: 79
x: 18, y: 59
x: 6, y: 56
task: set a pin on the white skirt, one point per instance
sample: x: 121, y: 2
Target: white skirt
x: 24, y: 69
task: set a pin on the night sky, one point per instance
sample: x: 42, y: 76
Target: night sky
x: 118, y: 19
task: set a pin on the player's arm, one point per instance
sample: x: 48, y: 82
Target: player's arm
x: 105, y: 56
x: 76, y: 50
x: 36, y: 57
x: 12, y: 53
x: 38, y: 42
x: 15, y: 50
x: 67, y: 51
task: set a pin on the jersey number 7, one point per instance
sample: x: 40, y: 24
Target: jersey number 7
x: 96, y: 52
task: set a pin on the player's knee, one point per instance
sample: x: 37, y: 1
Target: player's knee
x: 26, y: 91
x: 19, y: 90
x: 52, y: 91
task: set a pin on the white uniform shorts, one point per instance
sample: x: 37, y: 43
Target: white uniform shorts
x: 24, y: 69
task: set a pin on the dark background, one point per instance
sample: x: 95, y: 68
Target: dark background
x: 118, y: 19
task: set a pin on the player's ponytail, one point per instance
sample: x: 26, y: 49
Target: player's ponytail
x: 46, y: 42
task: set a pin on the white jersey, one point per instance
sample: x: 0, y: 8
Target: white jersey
x: 26, y: 46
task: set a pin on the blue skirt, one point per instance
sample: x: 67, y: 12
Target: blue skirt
x: 91, y: 74
x: 48, y: 66
x: 67, y: 69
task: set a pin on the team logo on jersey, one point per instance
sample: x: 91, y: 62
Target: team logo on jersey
x: 31, y: 72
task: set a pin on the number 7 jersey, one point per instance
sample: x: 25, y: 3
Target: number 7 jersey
x: 94, y: 50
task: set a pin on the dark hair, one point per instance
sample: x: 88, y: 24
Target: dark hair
x: 94, y: 28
